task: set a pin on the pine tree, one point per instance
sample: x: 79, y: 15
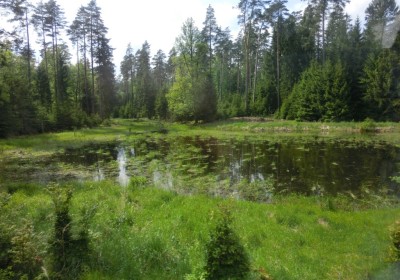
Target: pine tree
x: 20, y: 10
x: 128, y: 73
x: 250, y: 16
x: 276, y: 13
x: 321, y: 94
x: 209, y: 34
x: 378, y: 15
x: 105, y: 78
x: 381, y: 85
x: 160, y: 83
x: 145, y: 92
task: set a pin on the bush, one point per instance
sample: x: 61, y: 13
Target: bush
x: 5, y: 247
x: 226, y: 257
x: 26, y: 262
x: 137, y: 182
x: 260, y: 191
x: 68, y: 254
x: 61, y: 243
x: 395, y: 237
x: 368, y: 125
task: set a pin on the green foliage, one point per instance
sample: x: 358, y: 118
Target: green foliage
x: 62, y: 239
x: 180, y: 97
x: 396, y: 179
x: 161, y: 106
x: 26, y: 261
x: 381, y: 85
x: 5, y: 240
x: 19, y: 254
x: 158, y: 234
x: 192, y: 98
x: 260, y: 191
x: 226, y: 256
x: 368, y: 125
x: 68, y: 254
x: 395, y: 237
x: 137, y: 182
x: 321, y: 94
x: 192, y: 94
x: 231, y: 106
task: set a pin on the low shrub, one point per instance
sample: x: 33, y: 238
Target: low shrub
x: 226, y: 256
x: 368, y: 125
x: 395, y: 237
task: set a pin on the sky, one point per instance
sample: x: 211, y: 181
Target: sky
x: 160, y: 21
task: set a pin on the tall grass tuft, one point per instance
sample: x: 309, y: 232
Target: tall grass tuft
x: 368, y: 125
x: 68, y: 253
x: 395, y: 237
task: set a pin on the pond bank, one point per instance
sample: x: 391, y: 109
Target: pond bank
x: 142, y: 231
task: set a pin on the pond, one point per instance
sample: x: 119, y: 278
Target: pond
x: 244, y: 167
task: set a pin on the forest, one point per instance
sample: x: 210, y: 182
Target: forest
x: 318, y: 64
x: 267, y: 152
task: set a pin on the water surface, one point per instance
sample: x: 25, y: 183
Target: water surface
x: 309, y: 166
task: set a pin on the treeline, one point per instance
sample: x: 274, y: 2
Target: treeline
x: 314, y: 65
x: 317, y: 64
x: 54, y: 94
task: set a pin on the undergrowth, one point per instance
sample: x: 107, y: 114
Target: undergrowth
x: 139, y: 232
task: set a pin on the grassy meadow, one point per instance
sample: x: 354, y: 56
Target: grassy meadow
x: 142, y: 232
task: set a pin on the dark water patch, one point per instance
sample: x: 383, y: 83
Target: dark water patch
x: 246, y: 168
x: 102, y: 161
x: 309, y: 167
x: 89, y: 155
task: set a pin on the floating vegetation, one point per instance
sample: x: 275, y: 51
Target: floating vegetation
x: 337, y: 166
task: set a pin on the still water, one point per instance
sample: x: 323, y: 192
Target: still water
x: 312, y: 166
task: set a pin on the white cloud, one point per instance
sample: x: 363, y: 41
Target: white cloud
x: 158, y: 21
x: 356, y: 8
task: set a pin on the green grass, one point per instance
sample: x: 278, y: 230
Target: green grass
x: 147, y: 233
x: 121, y: 130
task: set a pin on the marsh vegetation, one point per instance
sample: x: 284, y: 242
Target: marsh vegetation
x: 303, y: 204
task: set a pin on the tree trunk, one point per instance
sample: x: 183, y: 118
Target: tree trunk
x: 256, y: 67
x: 278, y: 70
x: 247, y: 74
x: 87, y: 95
x: 323, y: 30
x: 92, y: 61
x: 29, y: 50
x: 54, y: 64
x: 221, y: 77
x: 78, y: 77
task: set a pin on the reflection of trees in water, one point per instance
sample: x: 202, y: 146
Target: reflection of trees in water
x: 331, y: 166
x: 293, y: 165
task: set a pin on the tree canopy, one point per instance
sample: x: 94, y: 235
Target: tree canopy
x: 318, y: 64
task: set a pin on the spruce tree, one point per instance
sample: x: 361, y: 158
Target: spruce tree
x: 226, y: 257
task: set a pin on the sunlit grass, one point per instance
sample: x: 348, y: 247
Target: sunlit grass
x: 148, y: 233
x: 120, y: 129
